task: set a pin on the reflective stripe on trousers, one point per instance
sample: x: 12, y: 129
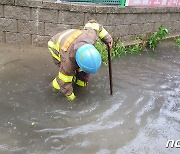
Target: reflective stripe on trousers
x: 62, y: 77
x: 55, y: 84
x: 79, y: 82
x: 71, y: 97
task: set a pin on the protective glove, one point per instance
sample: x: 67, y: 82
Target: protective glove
x: 108, y: 40
x: 82, y: 76
x: 110, y: 44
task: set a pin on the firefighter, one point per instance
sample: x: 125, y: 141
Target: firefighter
x: 73, y: 52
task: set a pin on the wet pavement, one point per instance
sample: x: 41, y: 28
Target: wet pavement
x: 140, y: 117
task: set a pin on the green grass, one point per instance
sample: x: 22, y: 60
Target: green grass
x: 155, y: 38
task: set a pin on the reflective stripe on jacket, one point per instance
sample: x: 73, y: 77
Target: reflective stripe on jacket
x: 55, y: 48
x: 101, y: 31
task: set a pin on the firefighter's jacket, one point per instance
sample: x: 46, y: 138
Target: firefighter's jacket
x: 63, y: 47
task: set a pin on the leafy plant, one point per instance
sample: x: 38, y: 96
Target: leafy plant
x: 119, y: 49
x: 177, y: 40
x: 101, y: 47
x: 155, y: 38
x: 135, y: 49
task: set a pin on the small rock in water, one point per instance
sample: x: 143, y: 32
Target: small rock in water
x: 33, y: 124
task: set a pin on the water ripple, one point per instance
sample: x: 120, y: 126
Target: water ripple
x: 84, y: 129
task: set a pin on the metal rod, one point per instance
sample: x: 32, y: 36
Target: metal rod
x: 110, y: 71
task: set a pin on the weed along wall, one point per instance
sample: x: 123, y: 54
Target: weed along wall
x: 35, y: 21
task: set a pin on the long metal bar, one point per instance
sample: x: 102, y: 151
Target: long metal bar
x: 110, y: 71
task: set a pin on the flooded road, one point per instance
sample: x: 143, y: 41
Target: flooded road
x: 140, y: 117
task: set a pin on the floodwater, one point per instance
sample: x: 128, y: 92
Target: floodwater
x: 142, y: 114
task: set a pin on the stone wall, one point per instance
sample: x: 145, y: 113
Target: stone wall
x: 35, y: 21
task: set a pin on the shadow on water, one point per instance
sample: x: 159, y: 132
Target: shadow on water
x: 140, y: 117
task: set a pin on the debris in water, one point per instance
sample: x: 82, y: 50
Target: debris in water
x: 33, y: 124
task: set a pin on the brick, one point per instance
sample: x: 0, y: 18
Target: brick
x: 163, y: 10
x: 17, y: 12
x: 45, y: 15
x: 167, y: 25
x: 111, y: 30
x: 142, y: 18
x: 153, y: 10
x: 8, y: 25
x: 100, y: 18
x: 139, y: 18
x: 156, y: 26
x: 77, y: 26
x: 174, y: 16
x: 64, y: 6
x: 133, y: 10
x: 71, y: 17
x: 83, y: 8
x: 115, y: 19
x: 138, y: 10
x: 1, y: 11
x: 165, y: 17
x: 8, y: 2
x: 35, y: 3
x: 174, y: 32
x: 176, y: 10
x: 106, y: 9
x: 121, y: 30
x: 51, y: 29
x: 18, y: 38
x: 49, y: 5
x: 154, y: 17
x: 136, y: 18
x: 176, y: 25
x: 135, y: 29
x: 2, y: 37
x: 127, y: 37
x: 31, y: 27
x: 38, y: 40
x: 122, y: 10
x: 29, y: 3
x: 22, y: 2
x: 130, y: 19
x: 147, y: 28
x: 172, y: 10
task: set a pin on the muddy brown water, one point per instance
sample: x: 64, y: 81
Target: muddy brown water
x: 140, y: 117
